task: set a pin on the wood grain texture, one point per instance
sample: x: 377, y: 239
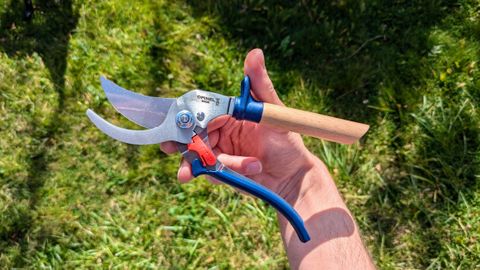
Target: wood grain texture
x: 312, y: 124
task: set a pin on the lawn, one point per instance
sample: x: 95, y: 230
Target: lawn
x: 71, y: 197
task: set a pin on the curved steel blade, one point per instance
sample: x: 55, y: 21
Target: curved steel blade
x: 143, y: 110
x: 165, y: 132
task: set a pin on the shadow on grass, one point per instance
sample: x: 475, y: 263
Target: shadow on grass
x: 349, y: 47
x: 47, y: 34
x: 360, y: 52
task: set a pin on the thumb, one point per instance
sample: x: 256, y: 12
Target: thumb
x: 242, y: 165
x: 262, y: 87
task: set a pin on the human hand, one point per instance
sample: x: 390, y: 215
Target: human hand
x: 279, y: 161
x: 274, y: 158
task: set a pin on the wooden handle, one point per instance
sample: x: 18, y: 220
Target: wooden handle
x: 312, y: 124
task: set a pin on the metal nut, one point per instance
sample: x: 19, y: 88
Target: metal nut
x: 184, y: 119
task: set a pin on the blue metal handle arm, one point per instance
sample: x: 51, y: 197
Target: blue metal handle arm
x: 239, y: 181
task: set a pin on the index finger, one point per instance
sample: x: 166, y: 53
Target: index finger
x: 218, y: 122
x: 168, y: 147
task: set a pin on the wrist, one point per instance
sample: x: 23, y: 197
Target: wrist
x: 335, y: 240
x: 314, y: 191
x: 311, y: 180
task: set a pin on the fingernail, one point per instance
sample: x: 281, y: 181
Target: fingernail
x: 254, y: 168
x: 262, y: 59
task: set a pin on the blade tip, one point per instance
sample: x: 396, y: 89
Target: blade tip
x: 92, y: 115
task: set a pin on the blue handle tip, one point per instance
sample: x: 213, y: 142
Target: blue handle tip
x: 246, y: 107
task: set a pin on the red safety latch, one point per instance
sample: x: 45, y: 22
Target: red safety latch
x: 203, y: 151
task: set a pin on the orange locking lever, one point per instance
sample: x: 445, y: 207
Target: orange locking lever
x: 203, y: 151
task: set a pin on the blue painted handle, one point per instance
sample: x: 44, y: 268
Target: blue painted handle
x: 239, y: 181
x: 246, y: 107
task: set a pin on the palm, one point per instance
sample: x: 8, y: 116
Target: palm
x: 281, y: 153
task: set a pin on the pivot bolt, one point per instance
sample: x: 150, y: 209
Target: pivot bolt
x: 184, y: 119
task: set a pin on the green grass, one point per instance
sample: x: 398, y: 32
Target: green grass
x: 71, y: 197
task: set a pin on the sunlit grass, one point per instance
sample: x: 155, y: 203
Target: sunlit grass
x: 72, y: 197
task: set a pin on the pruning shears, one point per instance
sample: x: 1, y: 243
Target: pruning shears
x: 185, y: 119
